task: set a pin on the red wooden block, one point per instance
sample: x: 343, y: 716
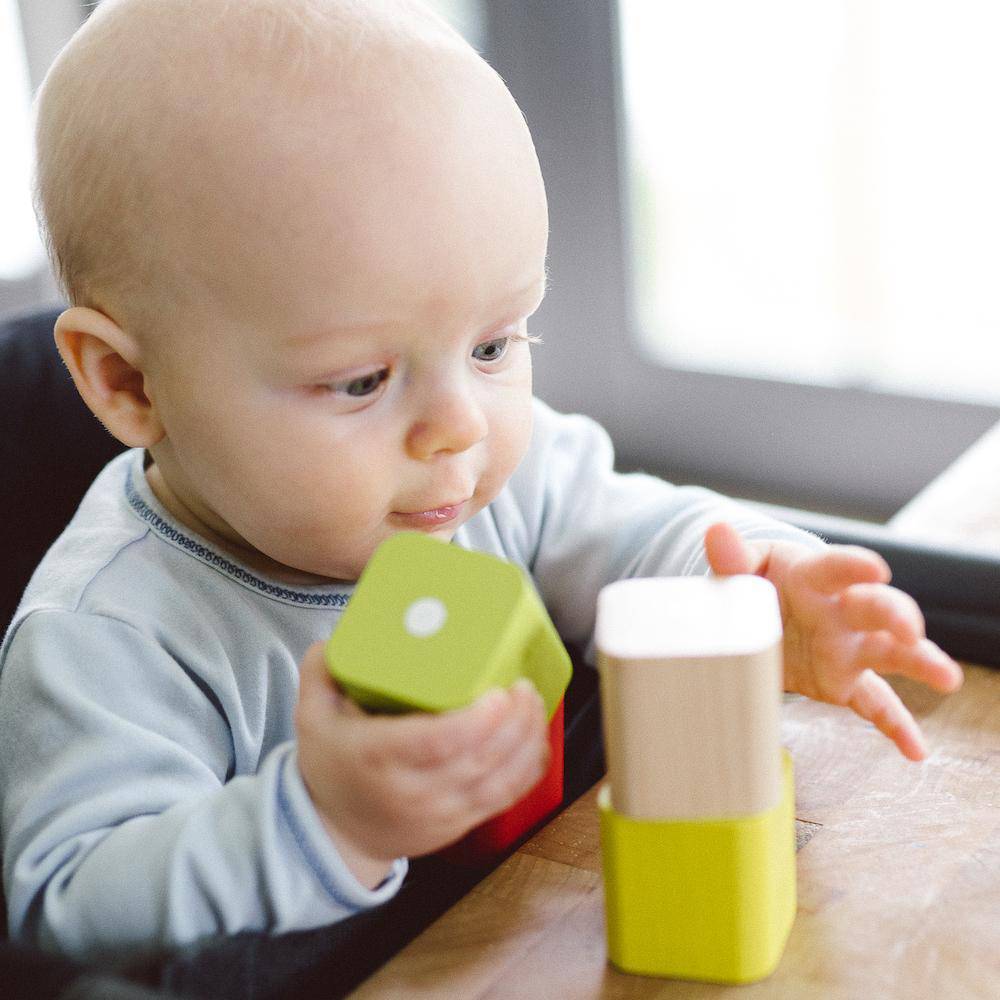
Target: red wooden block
x: 496, y: 835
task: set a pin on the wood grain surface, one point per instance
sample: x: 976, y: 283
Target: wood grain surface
x: 898, y: 878
x: 692, y: 737
x: 898, y: 863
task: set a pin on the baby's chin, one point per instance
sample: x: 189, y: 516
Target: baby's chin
x: 313, y: 567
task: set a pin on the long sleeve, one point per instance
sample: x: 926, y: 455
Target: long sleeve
x: 124, y: 823
x: 583, y: 525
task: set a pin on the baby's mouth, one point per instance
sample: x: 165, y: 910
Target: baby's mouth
x: 434, y: 518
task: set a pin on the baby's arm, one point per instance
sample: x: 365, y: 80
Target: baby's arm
x: 131, y: 818
x: 391, y: 786
x: 578, y: 525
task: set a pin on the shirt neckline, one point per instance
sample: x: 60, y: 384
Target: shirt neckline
x: 144, y: 504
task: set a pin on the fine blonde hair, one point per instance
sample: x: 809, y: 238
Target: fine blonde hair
x: 117, y: 123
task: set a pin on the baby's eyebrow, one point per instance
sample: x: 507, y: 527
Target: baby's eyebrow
x: 336, y: 330
x: 539, y: 287
x: 535, y: 290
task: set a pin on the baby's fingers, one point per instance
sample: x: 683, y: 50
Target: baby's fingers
x: 869, y: 607
x: 422, y: 740
x: 875, y: 701
x: 441, y: 741
x: 510, y: 779
x: 318, y: 692
x: 921, y: 661
x: 483, y: 779
x: 842, y: 565
x: 526, y: 724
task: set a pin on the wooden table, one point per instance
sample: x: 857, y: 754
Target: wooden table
x: 898, y: 865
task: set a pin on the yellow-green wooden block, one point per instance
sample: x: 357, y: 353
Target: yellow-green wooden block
x: 709, y: 900
x: 432, y: 626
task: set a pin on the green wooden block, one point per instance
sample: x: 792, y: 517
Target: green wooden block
x: 432, y: 626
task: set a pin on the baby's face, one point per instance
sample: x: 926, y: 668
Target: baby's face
x: 359, y: 367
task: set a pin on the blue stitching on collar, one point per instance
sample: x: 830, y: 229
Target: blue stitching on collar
x: 170, y: 533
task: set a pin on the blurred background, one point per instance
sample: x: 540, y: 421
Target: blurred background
x: 775, y: 249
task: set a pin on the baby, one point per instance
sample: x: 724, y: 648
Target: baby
x: 302, y: 240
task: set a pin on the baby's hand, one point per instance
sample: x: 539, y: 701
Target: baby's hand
x: 389, y: 786
x: 843, y: 627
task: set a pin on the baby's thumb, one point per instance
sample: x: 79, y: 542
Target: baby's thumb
x: 726, y: 551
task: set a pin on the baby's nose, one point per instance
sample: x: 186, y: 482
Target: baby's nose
x: 451, y: 422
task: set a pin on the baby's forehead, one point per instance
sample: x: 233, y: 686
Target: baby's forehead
x: 212, y: 140
x: 217, y: 80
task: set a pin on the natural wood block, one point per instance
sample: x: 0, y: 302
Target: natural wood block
x: 691, y: 680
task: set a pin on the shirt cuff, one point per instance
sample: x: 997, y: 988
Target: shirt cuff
x: 319, y: 850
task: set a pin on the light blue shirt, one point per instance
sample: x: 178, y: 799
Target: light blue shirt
x: 150, y: 790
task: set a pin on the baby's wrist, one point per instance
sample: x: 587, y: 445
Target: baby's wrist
x: 368, y: 869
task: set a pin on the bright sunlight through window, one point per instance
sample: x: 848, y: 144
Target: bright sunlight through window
x: 816, y: 190
x: 466, y: 17
x: 21, y: 252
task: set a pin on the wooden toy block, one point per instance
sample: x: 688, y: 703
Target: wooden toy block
x: 709, y: 900
x: 691, y: 682
x: 431, y: 627
x: 697, y: 817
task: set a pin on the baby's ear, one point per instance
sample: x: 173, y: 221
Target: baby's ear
x: 106, y: 364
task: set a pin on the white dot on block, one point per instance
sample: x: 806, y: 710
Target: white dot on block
x: 425, y: 617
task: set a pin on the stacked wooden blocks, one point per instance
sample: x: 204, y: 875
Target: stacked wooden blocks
x: 697, y: 821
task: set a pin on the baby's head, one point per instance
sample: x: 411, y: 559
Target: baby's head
x: 301, y: 239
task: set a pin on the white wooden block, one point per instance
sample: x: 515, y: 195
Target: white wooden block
x: 691, y: 681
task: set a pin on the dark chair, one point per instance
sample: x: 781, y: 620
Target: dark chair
x: 51, y: 448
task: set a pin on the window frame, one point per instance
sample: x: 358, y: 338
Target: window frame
x: 847, y: 450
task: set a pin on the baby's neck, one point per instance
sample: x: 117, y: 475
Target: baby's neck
x: 232, y: 544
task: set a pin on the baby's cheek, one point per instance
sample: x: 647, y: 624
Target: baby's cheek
x: 504, y: 459
x: 518, y: 439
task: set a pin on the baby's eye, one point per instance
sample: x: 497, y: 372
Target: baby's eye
x: 363, y: 385
x: 492, y: 350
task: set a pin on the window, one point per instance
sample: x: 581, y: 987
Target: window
x: 466, y: 17
x: 21, y: 253
x: 839, y: 442
x: 31, y: 33
x: 814, y: 190
x: 685, y: 341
